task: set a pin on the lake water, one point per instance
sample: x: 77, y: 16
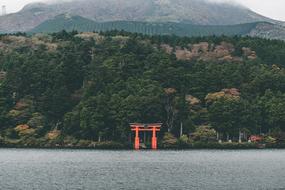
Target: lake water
x: 87, y: 169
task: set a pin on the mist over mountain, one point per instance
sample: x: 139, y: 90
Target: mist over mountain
x: 189, y: 11
x: 201, y: 12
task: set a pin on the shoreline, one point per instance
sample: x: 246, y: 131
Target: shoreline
x: 205, y: 146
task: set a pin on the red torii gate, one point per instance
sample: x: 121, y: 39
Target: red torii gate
x: 137, y: 127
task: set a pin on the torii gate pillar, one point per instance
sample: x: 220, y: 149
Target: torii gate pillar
x: 137, y: 139
x: 154, y: 139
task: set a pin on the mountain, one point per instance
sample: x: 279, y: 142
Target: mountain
x: 198, y: 12
x: 69, y: 23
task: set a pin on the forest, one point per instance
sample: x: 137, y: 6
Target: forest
x: 82, y: 89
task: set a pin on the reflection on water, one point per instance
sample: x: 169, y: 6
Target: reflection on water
x: 87, y: 169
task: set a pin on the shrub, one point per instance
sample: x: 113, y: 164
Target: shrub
x: 37, y: 120
x: 204, y: 134
x: 12, y: 134
x: 1, y: 140
x: 52, y: 135
x: 183, y: 141
x: 169, y: 141
x: 270, y: 140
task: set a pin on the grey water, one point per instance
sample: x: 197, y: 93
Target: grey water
x: 32, y: 169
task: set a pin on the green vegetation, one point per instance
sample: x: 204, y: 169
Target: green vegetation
x: 83, y: 89
x: 70, y: 23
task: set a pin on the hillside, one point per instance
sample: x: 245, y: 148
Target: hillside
x: 271, y: 31
x: 198, y: 12
x: 66, y: 22
x: 83, y: 89
x: 78, y: 23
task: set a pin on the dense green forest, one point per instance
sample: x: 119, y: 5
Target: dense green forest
x: 69, y: 87
x: 70, y: 23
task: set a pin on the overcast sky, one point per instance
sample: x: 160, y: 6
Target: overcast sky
x: 269, y: 8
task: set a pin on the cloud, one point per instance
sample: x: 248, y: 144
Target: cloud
x: 57, y: 1
x: 222, y: 1
x: 273, y: 8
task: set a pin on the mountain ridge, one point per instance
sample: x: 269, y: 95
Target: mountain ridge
x: 200, y: 12
x: 69, y: 23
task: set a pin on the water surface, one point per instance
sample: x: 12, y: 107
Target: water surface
x: 29, y: 169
